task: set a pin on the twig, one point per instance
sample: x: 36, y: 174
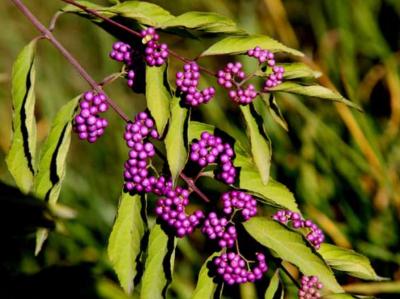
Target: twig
x: 132, y: 32
x: 192, y: 186
x: 49, y: 36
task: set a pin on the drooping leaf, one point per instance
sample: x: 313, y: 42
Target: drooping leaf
x: 240, y: 44
x: 275, y: 111
x: 295, y: 70
x: 159, y: 264
x: 291, y: 247
x: 21, y: 157
x: 205, y: 286
x: 275, y: 289
x: 204, y: 21
x: 339, y: 296
x: 348, y: 261
x: 51, y: 170
x: 316, y: 91
x: 176, y: 139
x: 127, y: 239
x: 158, y: 96
x: 259, y: 142
x: 143, y: 12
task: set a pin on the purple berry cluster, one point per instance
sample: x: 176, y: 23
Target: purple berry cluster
x: 262, y: 56
x: 275, y: 78
x: 265, y: 56
x: 210, y: 149
x: 136, y: 174
x: 238, y: 200
x: 88, y: 124
x: 315, y: 236
x: 155, y: 54
x: 171, y: 209
x: 230, y: 78
x: 233, y: 269
x: 219, y: 229
x: 188, y: 81
x: 123, y: 52
x: 310, y: 287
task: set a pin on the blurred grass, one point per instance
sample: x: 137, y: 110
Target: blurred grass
x: 342, y: 165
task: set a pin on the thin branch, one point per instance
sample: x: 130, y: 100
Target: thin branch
x: 132, y: 32
x: 192, y: 186
x: 49, y: 36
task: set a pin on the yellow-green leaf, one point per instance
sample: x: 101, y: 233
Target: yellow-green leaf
x: 126, y: 239
x: 21, y: 157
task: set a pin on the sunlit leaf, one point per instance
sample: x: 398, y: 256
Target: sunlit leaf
x: 295, y: 70
x: 275, y: 111
x: 204, y: 21
x: 21, y: 157
x: 205, y: 286
x: 158, y: 96
x: 127, y: 239
x: 275, y: 288
x: 241, y: 44
x: 52, y: 165
x: 159, y: 264
x: 291, y: 247
x: 259, y: 142
x: 176, y: 139
x: 348, y: 261
x: 316, y: 91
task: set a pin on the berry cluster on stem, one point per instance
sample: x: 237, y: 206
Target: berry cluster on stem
x: 310, y: 287
x: 315, y: 235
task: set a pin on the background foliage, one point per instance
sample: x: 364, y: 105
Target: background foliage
x: 343, y: 166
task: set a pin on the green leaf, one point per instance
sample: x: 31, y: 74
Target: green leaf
x: 159, y: 264
x: 126, y: 239
x: 196, y: 128
x: 176, y: 139
x: 204, y: 21
x: 205, y: 287
x: 296, y: 70
x: 241, y: 44
x: 274, y: 192
x: 21, y: 157
x: 275, y: 288
x: 275, y: 111
x: 51, y: 172
x: 143, y: 12
x: 158, y: 95
x: 338, y: 296
x: 291, y: 247
x: 260, y: 144
x: 348, y: 261
x: 316, y: 91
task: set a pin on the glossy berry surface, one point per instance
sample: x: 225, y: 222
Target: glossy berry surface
x: 315, y: 235
x: 211, y: 149
x: 219, y: 229
x: 310, y: 287
x: 233, y: 269
x: 239, y: 201
x: 188, y: 81
x: 155, y: 54
x: 171, y: 210
x: 88, y: 124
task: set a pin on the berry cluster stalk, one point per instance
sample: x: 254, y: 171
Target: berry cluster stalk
x: 46, y: 33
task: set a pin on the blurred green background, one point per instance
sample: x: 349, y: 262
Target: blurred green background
x: 343, y: 166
